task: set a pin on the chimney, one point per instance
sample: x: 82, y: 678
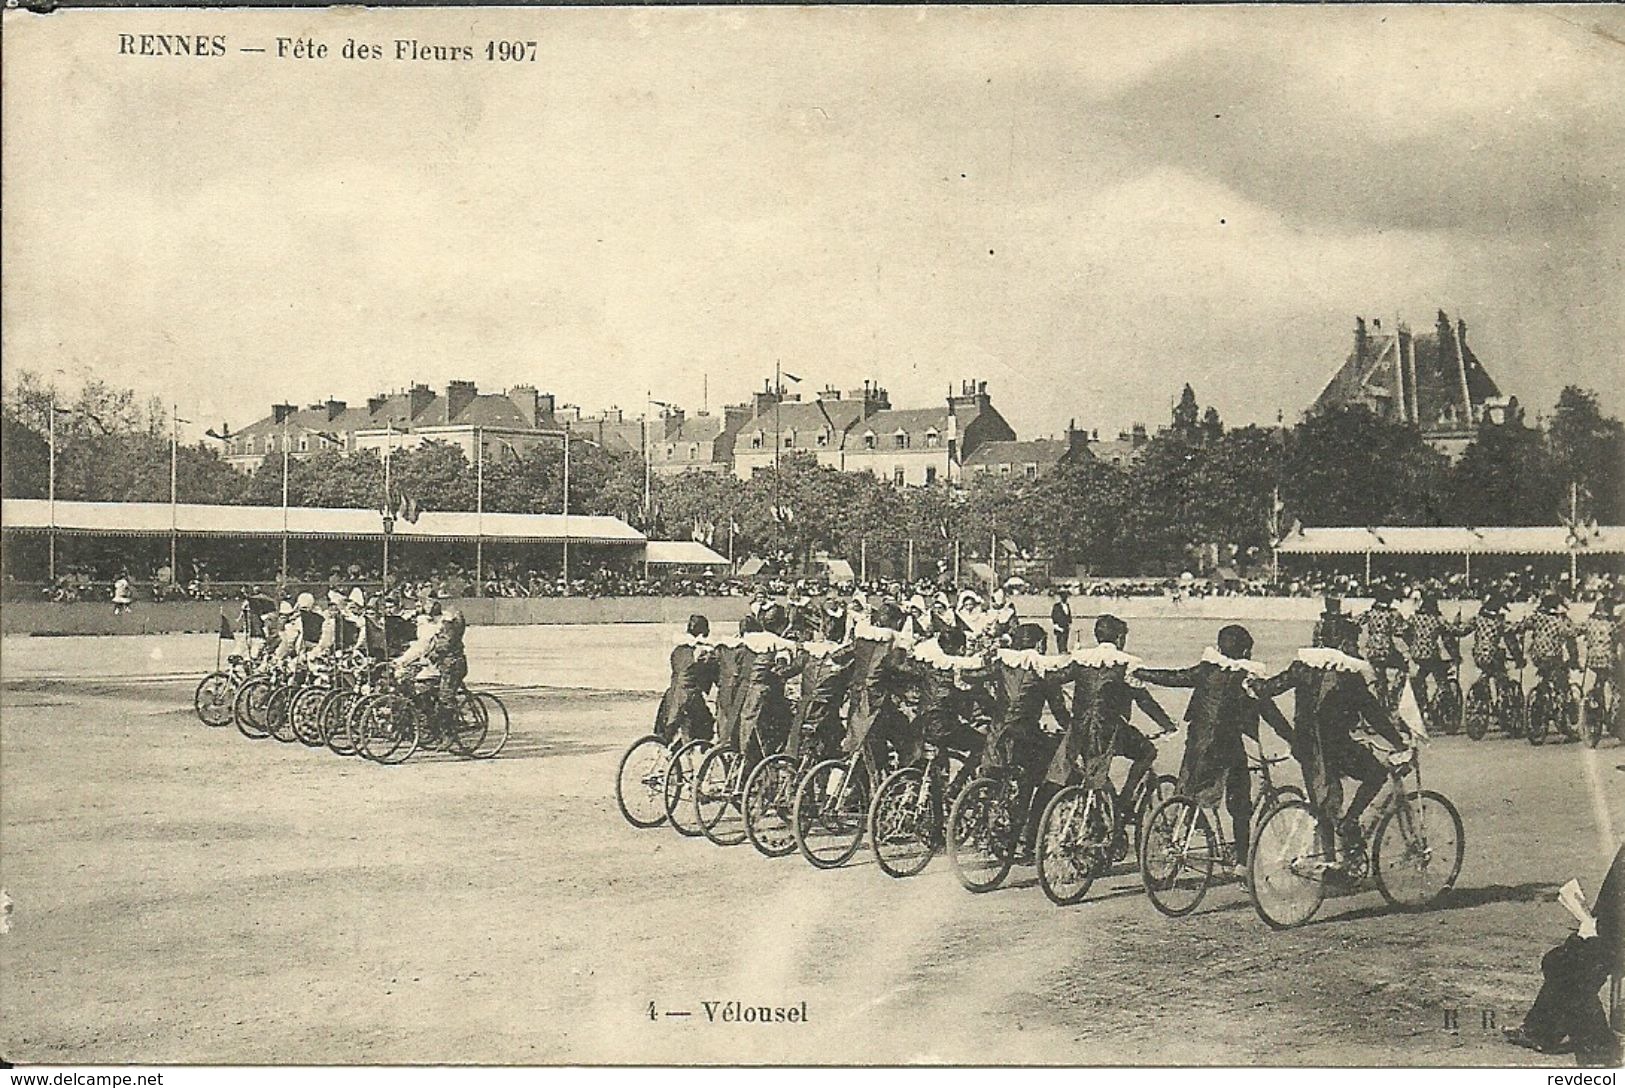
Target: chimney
x: 610, y: 415
x: 673, y: 419
x: 764, y: 400
x: 829, y: 393
x: 1076, y: 441
x: 335, y: 408
x: 459, y: 395
x: 419, y: 397
x: 376, y: 402
x: 972, y: 398
x: 281, y: 412
x: 566, y: 414
x: 527, y: 401
x: 1138, y: 435
x: 734, y: 418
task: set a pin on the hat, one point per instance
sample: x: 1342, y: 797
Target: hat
x: 917, y: 605
x: 306, y: 602
x: 941, y: 600
x: 335, y: 597
x: 284, y: 609
x: 358, y: 598
x: 833, y: 607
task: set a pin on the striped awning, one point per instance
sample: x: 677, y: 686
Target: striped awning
x: 1454, y: 540
x: 198, y: 519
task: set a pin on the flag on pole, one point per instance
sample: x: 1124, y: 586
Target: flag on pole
x: 226, y: 632
x: 789, y: 375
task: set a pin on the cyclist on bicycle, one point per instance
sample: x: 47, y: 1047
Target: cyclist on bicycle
x: 875, y: 719
x: 1435, y: 645
x: 1334, y: 695
x: 1380, y: 628
x: 764, y: 711
x: 1222, y: 710
x: 1017, y: 744
x: 1104, y: 694
x: 1552, y: 636
x: 826, y: 677
x: 1490, y: 636
x: 1605, y: 635
x: 693, y: 674
x: 946, y: 680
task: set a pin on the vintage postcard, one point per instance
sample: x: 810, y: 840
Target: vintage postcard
x: 862, y: 536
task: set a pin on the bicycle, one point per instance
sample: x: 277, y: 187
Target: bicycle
x: 1410, y: 842
x: 218, y: 690
x: 719, y: 787
x: 1602, y: 709
x: 906, y: 817
x: 831, y: 808
x: 1185, y: 838
x: 1554, y: 705
x: 1442, y: 709
x: 768, y: 801
x: 259, y: 705
x: 677, y: 786
x: 640, y: 781
x: 1082, y: 833
x: 1495, y: 696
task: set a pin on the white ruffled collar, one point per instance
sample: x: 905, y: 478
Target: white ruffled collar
x: 1325, y: 657
x: 1104, y: 656
x: 1212, y: 656
x: 931, y: 653
x: 761, y: 642
x: 1033, y: 661
x: 862, y: 628
x: 822, y: 648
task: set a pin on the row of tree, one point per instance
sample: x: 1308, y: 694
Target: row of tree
x: 1195, y: 489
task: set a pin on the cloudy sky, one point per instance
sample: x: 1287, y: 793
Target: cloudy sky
x: 1084, y: 207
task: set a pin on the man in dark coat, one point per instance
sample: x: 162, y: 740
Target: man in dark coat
x: 946, y: 683
x: 1060, y: 618
x: 1220, y: 713
x: 1567, y: 1009
x: 1334, y: 694
x: 733, y: 668
x: 826, y: 675
x: 879, y: 682
x: 1017, y: 742
x: 693, y: 674
x: 764, y: 710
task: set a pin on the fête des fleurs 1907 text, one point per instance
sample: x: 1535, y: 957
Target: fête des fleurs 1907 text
x: 213, y: 46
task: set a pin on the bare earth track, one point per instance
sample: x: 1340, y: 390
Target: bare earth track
x: 186, y: 895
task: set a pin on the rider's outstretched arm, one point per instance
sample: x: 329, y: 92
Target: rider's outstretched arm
x: 1152, y: 709
x: 1168, y: 678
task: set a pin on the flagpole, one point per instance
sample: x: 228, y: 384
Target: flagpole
x: 284, y: 504
x: 479, y: 512
x: 174, y: 453
x: 389, y: 449
x: 566, y: 505
x: 51, y: 489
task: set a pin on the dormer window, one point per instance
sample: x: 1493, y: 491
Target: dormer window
x: 789, y: 440
x: 304, y: 443
x: 901, y: 439
x: 823, y: 438
x: 868, y: 440
x: 756, y: 440
x: 932, y: 438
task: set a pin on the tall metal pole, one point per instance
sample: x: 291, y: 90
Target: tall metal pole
x: 50, y: 491
x: 566, y: 563
x: 284, y: 503
x: 479, y: 512
x: 389, y: 449
x: 174, y: 452
x: 1574, y: 536
x: 863, y: 559
x: 911, y: 559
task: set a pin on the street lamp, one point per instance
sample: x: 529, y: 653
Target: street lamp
x: 50, y: 502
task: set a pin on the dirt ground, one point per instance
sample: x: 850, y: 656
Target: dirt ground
x: 185, y: 895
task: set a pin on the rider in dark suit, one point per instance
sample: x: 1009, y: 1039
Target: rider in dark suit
x: 693, y: 673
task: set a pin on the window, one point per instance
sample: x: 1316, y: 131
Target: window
x: 790, y: 440
x: 1004, y: 470
x: 1032, y: 472
x: 304, y: 443
x: 823, y: 439
x: 897, y: 476
x: 694, y: 451
x: 756, y: 440
x: 901, y: 438
x: 671, y: 451
x: 930, y: 475
x: 932, y: 438
x: 868, y: 440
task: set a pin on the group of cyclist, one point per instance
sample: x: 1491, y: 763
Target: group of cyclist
x: 421, y: 638
x: 903, y: 678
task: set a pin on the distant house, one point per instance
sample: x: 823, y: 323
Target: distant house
x: 506, y: 423
x: 697, y: 443
x: 1028, y: 459
x: 862, y: 432
x: 1431, y: 380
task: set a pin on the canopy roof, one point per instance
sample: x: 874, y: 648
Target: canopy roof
x: 682, y: 553
x: 197, y: 519
x: 1452, y: 540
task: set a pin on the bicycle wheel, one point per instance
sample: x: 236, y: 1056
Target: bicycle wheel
x: 213, y: 698
x: 467, y: 725
x: 277, y: 722
x: 640, y: 782
x: 1447, y: 710
x: 1514, y: 710
x: 1477, y: 720
x: 677, y: 788
x: 900, y: 831
x: 1157, y: 789
x: 982, y: 835
x: 1286, y: 868
x: 1180, y: 853
x: 248, y: 708
x: 1541, y: 707
x: 1268, y: 803
x: 717, y: 790
x: 831, y: 809
x: 303, y: 721
x: 496, y: 727
x: 388, y: 727
x: 334, y: 715
x: 769, y: 804
x: 1075, y: 843
x: 1418, y: 850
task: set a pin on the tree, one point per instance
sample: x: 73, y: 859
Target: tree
x: 1348, y: 467
x: 1506, y: 476
x: 1186, y: 413
x: 24, y: 458
x: 1588, y: 449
